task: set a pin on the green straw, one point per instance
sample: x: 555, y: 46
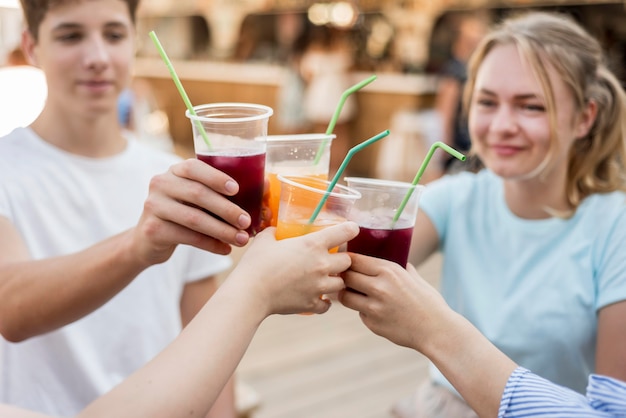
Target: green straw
x: 421, y: 170
x: 342, y: 167
x: 180, y: 87
x: 333, y: 119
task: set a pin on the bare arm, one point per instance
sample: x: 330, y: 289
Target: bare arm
x: 7, y: 411
x: 400, y: 306
x: 83, y: 281
x: 273, y: 277
x: 425, y: 240
x: 611, y: 343
x: 195, y: 296
x: 42, y: 295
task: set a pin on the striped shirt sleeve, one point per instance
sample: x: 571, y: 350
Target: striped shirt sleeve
x: 528, y: 395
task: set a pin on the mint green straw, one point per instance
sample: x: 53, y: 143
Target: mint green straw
x: 421, y: 170
x: 333, y: 119
x: 342, y: 167
x: 180, y: 87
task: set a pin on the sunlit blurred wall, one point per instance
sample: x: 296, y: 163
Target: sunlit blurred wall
x: 10, y: 27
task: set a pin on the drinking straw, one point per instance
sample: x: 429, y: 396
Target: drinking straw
x: 421, y: 170
x: 333, y: 119
x: 180, y: 87
x: 342, y: 167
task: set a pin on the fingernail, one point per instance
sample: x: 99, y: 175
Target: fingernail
x: 244, y: 220
x: 241, y: 238
x: 231, y: 186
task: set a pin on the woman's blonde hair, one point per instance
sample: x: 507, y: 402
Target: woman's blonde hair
x: 597, y: 160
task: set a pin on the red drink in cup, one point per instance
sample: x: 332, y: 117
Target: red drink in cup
x: 232, y: 138
x: 390, y: 244
x: 380, y: 235
x: 247, y: 170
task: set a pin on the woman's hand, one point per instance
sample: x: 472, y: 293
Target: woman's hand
x: 290, y: 275
x: 393, y: 302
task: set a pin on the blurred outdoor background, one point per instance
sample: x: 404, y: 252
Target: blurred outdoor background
x: 254, y: 51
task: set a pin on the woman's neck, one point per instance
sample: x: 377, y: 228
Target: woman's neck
x: 95, y: 137
x: 539, y: 197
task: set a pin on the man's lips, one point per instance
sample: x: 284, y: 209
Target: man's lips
x: 96, y: 85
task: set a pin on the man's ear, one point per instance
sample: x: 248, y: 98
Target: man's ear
x: 28, y: 47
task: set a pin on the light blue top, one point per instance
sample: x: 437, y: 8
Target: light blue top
x: 528, y: 395
x: 533, y: 287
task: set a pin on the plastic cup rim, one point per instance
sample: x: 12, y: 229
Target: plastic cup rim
x: 347, y: 192
x: 266, y: 112
x: 299, y: 137
x: 382, y: 182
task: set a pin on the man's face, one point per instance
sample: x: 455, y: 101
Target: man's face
x: 86, y: 49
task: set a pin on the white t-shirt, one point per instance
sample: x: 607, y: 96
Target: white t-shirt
x: 62, y: 203
x: 533, y: 287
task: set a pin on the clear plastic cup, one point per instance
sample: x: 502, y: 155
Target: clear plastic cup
x: 299, y: 198
x: 306, y: 155
x: 236, y: 134
x: 379, y: 235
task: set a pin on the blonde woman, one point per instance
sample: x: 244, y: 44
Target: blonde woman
x: 534, y: 245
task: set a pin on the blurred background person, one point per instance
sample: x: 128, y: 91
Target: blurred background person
x: 325, y: 66
x: 292, y: 33
x: 469, y: 28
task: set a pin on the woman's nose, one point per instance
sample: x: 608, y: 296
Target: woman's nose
x: 504, y: 120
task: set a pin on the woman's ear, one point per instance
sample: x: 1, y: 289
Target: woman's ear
x: 586, y: 118
x: 28, y: 47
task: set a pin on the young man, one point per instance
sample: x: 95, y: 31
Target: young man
x: 93, y: 281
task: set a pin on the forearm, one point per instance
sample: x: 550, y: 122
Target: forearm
x: 7, y: 411
x: 42, y: 295
x: 198, y: 363
x: 472, y: 364
x: 195, y: 296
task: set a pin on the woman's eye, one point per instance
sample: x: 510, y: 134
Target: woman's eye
x: 485, y: 102
x: 533, y: 107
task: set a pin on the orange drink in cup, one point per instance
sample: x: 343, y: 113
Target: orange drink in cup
x: 299, y: 199
x: 306, y: 155
x: 300, y: 196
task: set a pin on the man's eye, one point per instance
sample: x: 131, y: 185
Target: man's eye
x: 115, y: 36
x: 69, y: 37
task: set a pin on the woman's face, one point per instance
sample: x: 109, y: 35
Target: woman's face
x: 86, y: 49
x: 508, y: 120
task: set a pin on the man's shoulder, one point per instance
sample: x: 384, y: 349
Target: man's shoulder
x: 13, y: 144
